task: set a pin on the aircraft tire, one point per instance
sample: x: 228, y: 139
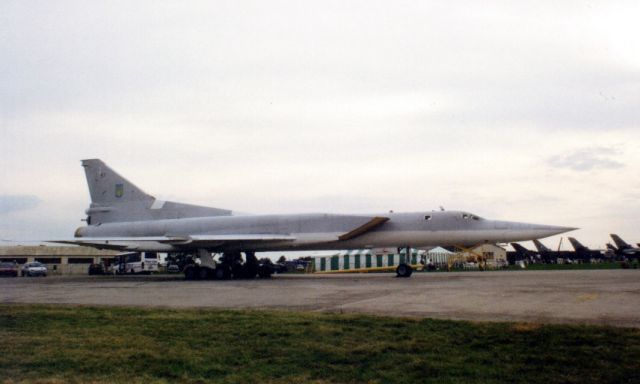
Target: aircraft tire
x: 222, y: 272
x: 249, y: 272
x: 251, y: 266
x: 237, y: 271
x: 264, y: 272
x: 191, y: 272
x: 404, y: 270
x: 203, y: 273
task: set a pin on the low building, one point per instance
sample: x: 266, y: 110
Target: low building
x: 493, y: 256
x: 364, y: 259
x: 59, y: 260
x: 486, y: 255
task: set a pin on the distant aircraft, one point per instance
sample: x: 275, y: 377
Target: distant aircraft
x: 622, y: 248
x: 583, y: 252
x: 541, y: 247
x: 123, y: 217
x: 612, y: 248
x: 522, y: 252
x: 547, y: 254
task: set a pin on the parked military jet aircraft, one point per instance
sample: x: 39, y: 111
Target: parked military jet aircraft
x: 522, y: 252
x: 541, y: 247
x: 584, y: 252
x: 549, y: 255
x: 622, y: 248
x: 123, y: 217
x: 545, y: 254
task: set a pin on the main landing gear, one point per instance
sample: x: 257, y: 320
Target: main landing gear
x: 404, y: 270
x: 230, y: 266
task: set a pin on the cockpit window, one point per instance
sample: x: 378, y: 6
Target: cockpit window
x: 427, y: 217
x: 469, y: 216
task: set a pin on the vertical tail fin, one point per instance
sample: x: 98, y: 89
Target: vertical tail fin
x: 107, y: 186
x: 621, y: 244
x: 541, y: 247
x: 520, y: 249
x: 116, y: 199
x: 577, y: 246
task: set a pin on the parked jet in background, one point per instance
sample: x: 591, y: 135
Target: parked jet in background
x: 549, y: 255
x: 622, y: 248
x: 522, y: 252
x: 612, y: 248
x: 542, y: 249
x: 123, y: 217
x: 582, y: 252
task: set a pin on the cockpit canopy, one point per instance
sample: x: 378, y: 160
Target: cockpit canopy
x: 461, y: 215
x: 470, y: 216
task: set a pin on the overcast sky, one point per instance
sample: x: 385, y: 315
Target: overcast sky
x: 525, y: 111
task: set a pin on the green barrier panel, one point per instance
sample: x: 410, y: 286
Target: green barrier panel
x: 334, y: 263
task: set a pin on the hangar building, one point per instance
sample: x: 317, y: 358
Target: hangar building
x: 494, y: 255
x: 59, y: 260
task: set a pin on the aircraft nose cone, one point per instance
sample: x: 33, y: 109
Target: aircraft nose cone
x: 525, y: 231
x: 550, y: 230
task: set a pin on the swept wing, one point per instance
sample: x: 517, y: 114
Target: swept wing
x: 172, y: 242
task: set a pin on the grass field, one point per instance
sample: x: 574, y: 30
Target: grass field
x: 128, y: 345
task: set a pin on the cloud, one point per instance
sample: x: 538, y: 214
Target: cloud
x: 336, y: 106
x: 13, y: 203
x: 587, y: 159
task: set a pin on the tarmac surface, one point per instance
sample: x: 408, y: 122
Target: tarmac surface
x: 603, y: 297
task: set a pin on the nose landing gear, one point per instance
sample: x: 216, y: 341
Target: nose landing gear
x: 405, y: 269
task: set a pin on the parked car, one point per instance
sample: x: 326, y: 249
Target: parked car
x: 34, y: 269
x: 96, y: 269
x: 9, y: 268
x: 173, y: 268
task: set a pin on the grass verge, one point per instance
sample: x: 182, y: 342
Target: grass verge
x: 130, y: 345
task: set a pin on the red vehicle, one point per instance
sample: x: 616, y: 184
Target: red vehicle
x: 8, y: 268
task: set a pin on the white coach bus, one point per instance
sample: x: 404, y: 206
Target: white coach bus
x: 136, y: 262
